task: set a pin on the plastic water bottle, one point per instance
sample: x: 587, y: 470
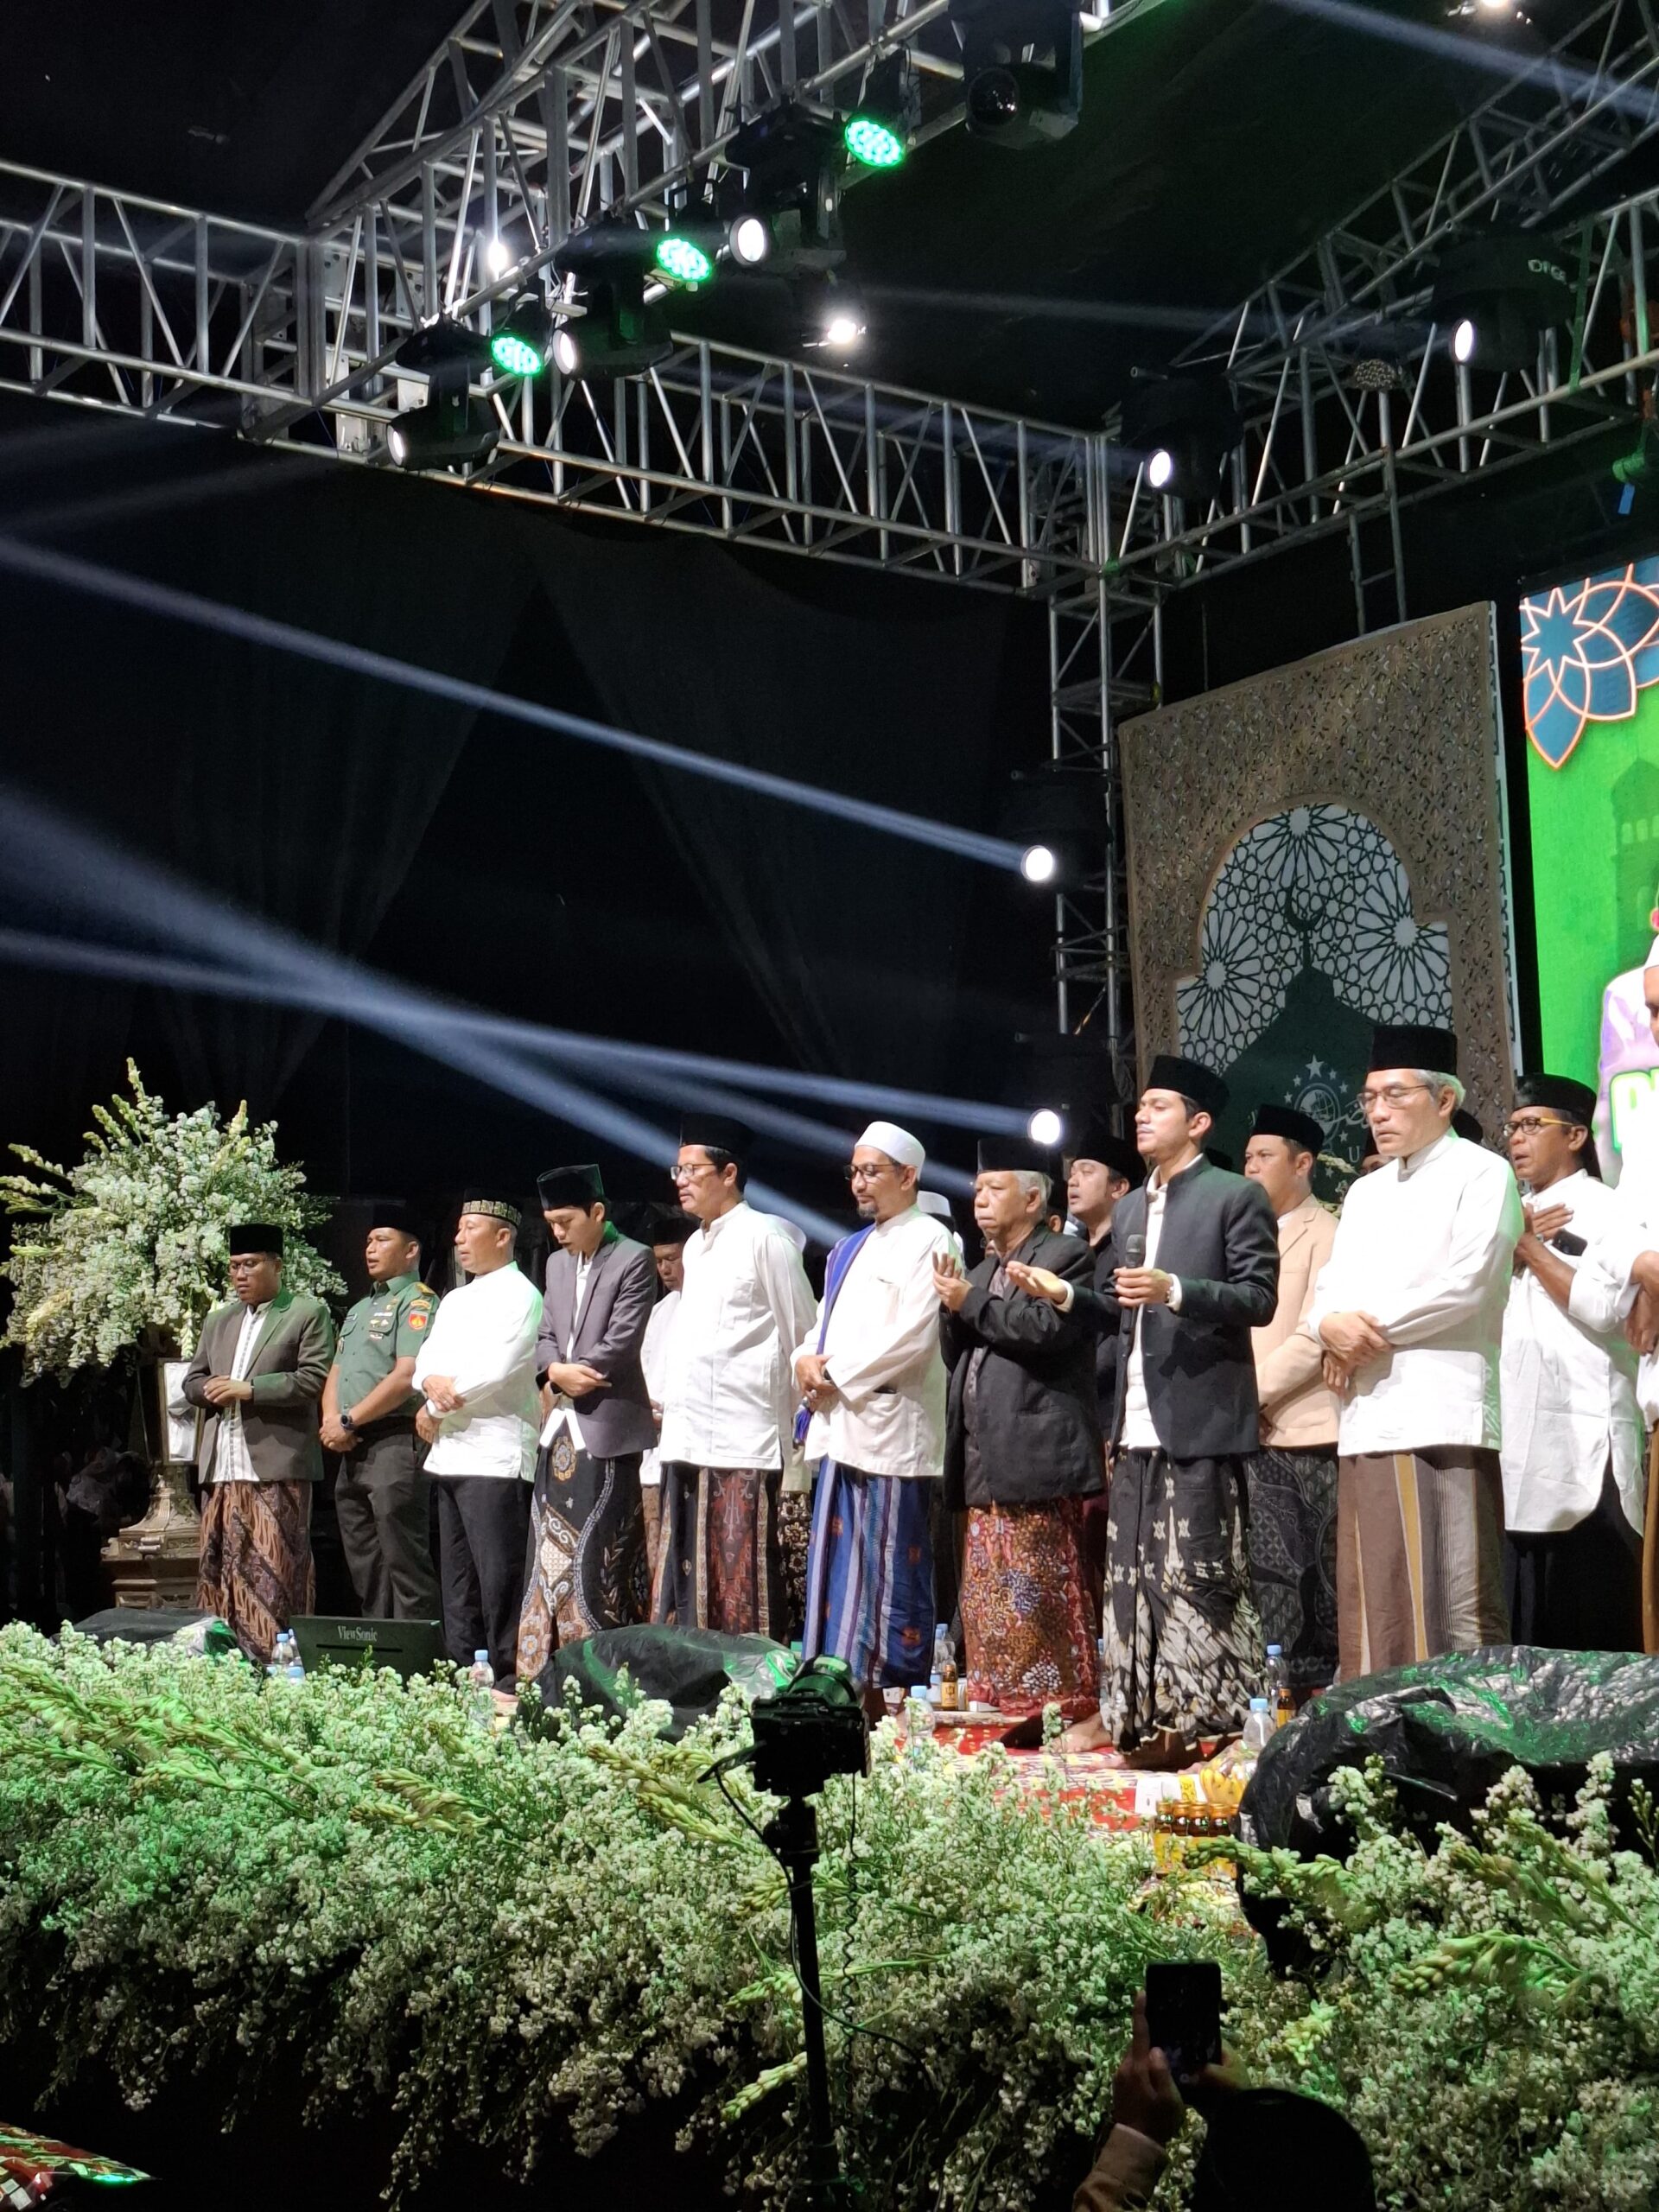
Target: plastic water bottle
x: 918, y: 1716
x: 296, y: 1667
x: 1259, y: 1726
x: 480, y: 1684
x: 285, y: 1655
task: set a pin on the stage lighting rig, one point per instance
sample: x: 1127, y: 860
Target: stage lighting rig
x: 1077, y: 1074
x: 1022, y: 63
x: 1056, y: 817
x: 877, y: 132
x: 621, y: 332
x: 522, y: 344
x: 832, y: 317
x: 452, y: 430
x: 1184, y: 427
x: 779, y: 198
x: 1496, y: 292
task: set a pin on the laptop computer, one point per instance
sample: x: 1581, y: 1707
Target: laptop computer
x: 407, y: 1647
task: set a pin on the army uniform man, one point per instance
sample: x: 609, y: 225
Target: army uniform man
x: 369, y: 1405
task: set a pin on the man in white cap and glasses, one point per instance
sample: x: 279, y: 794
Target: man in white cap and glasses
x: 872, y: 1383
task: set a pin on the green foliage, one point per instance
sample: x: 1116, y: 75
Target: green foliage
x: 1487, y: 2013
x: 503, y: 1936
x: 559, y: 1924
x: 132, y: 1239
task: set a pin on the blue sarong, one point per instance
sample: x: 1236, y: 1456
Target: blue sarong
x: 869, y: 1575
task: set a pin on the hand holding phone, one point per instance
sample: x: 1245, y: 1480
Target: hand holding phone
x: 1183, y: 2014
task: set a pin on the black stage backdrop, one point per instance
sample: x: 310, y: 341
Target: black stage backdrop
x: 524, y: 871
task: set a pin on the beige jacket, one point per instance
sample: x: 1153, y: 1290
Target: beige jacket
x: 1298, y: 1413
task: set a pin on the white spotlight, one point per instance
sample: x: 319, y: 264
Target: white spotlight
x: 498, y: 256
x: 1039, y: 864
x: 750, y: 240
x: 1045, y: 1128
x: 1465, y: 338
x: 397, y: 444
x: 566, y: 358
x: 843, y: 331
x: 1160, y: 469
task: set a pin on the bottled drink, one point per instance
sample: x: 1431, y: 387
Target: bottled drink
x: 285, y: 1653
x: 296, y: 1667
x: 1259, y: 1726
x: 950, y: 1684
x: 1278, y: 1687
x: 480, y: 1685
x: 918, y: 1715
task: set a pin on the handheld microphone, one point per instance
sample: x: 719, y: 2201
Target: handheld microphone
x: 1135, y: 1251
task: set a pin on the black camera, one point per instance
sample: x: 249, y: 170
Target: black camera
x: 811, y: 1730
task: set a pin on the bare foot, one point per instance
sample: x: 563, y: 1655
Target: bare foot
x: 1089, y: 1734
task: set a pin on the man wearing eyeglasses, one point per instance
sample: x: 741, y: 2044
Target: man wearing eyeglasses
x: 1573, y: 1487
x: 1410, y: 1312
x: 872, y: 1381
x: 729, y: 1397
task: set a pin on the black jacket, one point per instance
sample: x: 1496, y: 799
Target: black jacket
x: 1038, y: 1424
x: 1220, y: 1237
x: 1104, y: 1255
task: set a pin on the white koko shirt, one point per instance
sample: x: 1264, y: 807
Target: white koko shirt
x: 1139, y: 1433
x: 882, y: 1354
x: 483, y: 1336
x: 729, y: 1393
x: 231, y: 1460
x: 1424, y: 1246
x: 1569, y: 1390
x: 653, y: 1357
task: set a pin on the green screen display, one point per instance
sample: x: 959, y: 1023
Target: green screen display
x: 1590, y: 661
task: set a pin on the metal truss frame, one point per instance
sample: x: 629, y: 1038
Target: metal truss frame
x: 538, y: 115
x: 1352, y: 403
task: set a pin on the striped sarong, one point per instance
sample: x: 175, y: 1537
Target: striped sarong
x: 257, y: 1571
x: 869, y: 1575
x: 1419, y: 1556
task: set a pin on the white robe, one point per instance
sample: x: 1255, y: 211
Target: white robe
x: 882, y: 1354
x: 483, y: 1336
x: 728, y: 1394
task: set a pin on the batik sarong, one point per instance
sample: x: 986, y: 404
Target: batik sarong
x: 794, y: 1542
x: 1026, y: 1624
x: 719, y: 1563
x: 869, y: 1582
x: 1292, y: 1545
x: 256, y: 1569
x: 1184, y: 1652
x: 1420, y: 1556
x: 585, y: 1568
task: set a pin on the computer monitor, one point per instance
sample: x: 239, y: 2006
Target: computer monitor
x: 407, y: 1647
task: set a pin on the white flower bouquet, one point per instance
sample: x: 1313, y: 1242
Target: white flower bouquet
x: 131, y: 1240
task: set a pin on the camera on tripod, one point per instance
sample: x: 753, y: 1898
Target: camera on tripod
x: 812, y: 1729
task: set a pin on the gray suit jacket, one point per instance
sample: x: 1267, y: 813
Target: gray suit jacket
x: 290, y: 1363
x: 615, y: 1308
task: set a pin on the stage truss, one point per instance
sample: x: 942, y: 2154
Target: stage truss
x: 533, y: 119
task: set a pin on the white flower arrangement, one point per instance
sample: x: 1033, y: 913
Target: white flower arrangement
x: 131, y: 1240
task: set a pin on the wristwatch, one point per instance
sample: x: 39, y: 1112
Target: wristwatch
x: 346, y: 1421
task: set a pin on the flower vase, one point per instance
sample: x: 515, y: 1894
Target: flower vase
x: 153, y: 1562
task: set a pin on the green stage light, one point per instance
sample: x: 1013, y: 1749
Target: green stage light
x: 515, y: 356
x: 683, y: 261
x: 520, y: 345
x: 874, y: 143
